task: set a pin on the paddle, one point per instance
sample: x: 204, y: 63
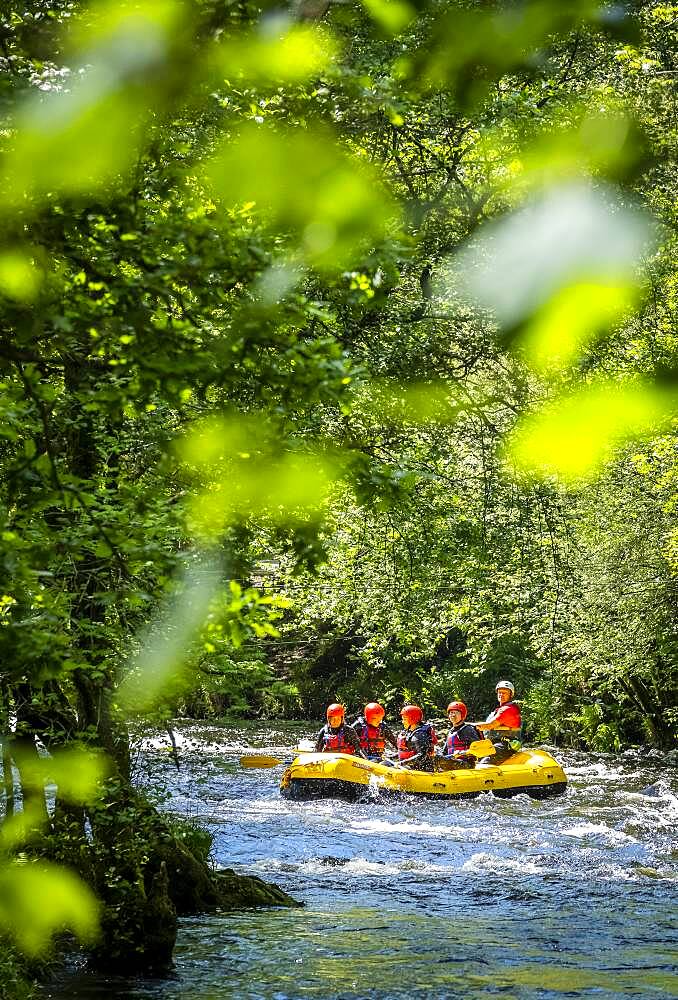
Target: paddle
x: 260, y: 760
x: 479, y: 748
x: 264, y: 760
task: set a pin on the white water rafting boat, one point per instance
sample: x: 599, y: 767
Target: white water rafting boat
x: 346, y: 776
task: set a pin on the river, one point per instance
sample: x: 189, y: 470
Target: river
x: 519, y: 899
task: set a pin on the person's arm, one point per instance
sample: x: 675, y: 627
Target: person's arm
x: 491, y: 722
x: 508, y: 716
x: 485, y: 726
x: 501, y: 721
x: 468, y: 733
x: 320, y: 741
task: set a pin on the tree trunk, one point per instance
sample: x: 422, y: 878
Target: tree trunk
x: 660, y: 733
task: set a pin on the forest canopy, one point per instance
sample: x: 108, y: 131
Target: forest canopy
x: 338, y: 355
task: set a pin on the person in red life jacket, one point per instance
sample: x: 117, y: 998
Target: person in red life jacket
x: 373, y: 732
x: 504, y: 724
x: 461, y: 734
x: 417, y: 741
x: 336, y: 736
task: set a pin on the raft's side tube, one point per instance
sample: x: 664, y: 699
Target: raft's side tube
x: 314, y: 776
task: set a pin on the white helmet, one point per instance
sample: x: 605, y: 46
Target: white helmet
x: 507, y: 685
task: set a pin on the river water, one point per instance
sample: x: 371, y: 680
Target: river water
x: 519, y: 899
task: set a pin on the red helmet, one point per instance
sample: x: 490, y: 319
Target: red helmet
x: 411, y: 714
x: 374, y: 713
x: 458, y: 706
x: 335, y: 709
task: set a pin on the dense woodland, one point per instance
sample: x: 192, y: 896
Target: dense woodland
x: 338, y: 352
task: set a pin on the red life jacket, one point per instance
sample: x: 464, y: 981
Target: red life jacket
x: 335, y: 740
x: 458, y: 740
x: 404, y: 751
x: 509, y: 716
x: 426, y: 735
x: 372, y: 739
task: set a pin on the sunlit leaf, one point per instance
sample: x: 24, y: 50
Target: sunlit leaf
x: 77, y: 140
x: 279, y: 489
x: 249, y: 473
x: 166, y: 642
x: 76, y: 771
x: 20, y: 278
x: 302, y: 181
x: 408, y: 402
x: 391, y: 15
x: 277, y: 52
x: 23, y: 827
x: 577, y: 244
x: 39, y: 900
x: 574, y: 436
x: 573, y: 317
x: 580, y: 142
x: 471, y: 48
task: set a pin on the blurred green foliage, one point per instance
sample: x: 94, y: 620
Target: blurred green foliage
x: 39, y: 900
x: 338, y: 360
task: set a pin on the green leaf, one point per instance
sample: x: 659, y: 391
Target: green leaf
x: 392, y: 15
x: 574, y: 436
x: 20, y: 278
x: 78, y: 140
x: 301, y: 180
x: 78, y: 772
x: 572, y: 236
x: 39, y: 900
x: 275, y: 54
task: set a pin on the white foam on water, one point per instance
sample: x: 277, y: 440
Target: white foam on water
x: 252, y: 811
x: 361, y: 866
x: 161, y: 741
x: 351, y: 866
x: 272, y: 864
x: 612, y: 837
x: 417, y: 829
x: 485, y: 862
x: 357, y: 866
x: 664, y: 802
x: 601, y: 770
x: 618, y: 873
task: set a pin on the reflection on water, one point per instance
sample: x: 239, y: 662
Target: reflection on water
x: 527, y: 900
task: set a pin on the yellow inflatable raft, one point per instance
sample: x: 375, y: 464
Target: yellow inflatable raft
x: 344, y: 776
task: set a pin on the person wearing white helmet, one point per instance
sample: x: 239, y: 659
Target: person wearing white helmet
x: 504, y: 724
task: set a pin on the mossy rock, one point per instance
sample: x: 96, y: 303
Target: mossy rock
x: 196, y: 888
x: 239, y: 892
x: 191, y: 883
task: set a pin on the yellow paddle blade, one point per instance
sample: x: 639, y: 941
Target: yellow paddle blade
x: 260, y: 760
x: 482, y: 748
